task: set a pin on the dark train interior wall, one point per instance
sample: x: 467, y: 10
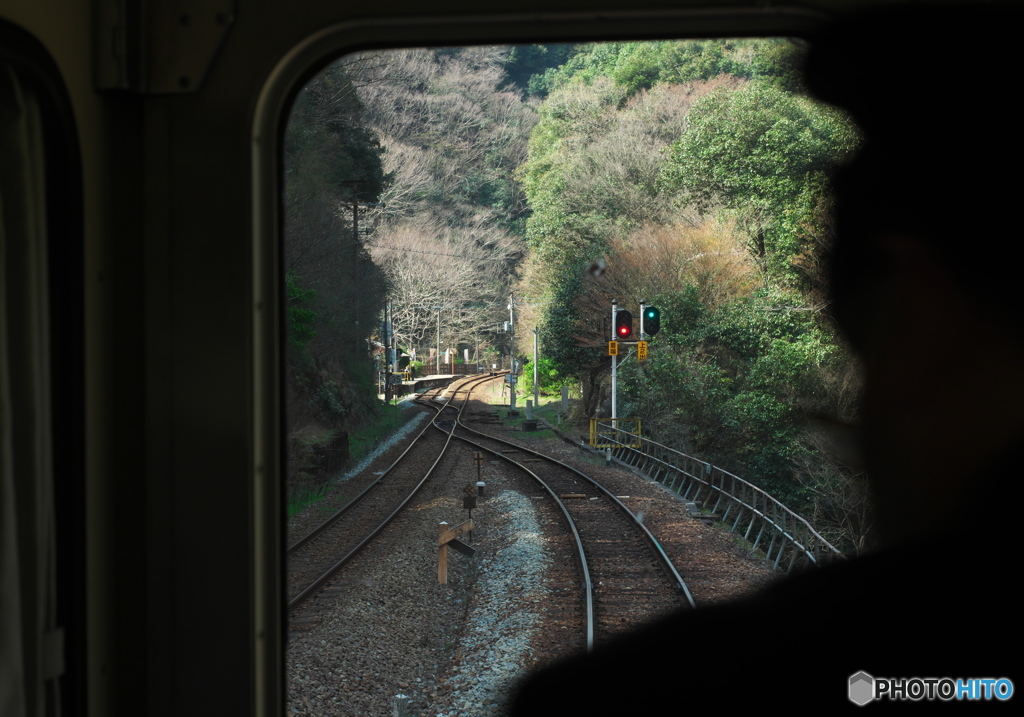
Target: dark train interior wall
x: 163, y: 124
x: 43, y: 438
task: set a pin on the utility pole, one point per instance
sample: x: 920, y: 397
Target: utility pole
x: 512, y: 334
x: 536, y: 386
x: 386, y: 363
x: 357, y: 313
x: 393, y: 355
x: 437, y: 362
x: 394, y: 344
x: 355, y: 240
x: 355, y: 220
x: 512, y: 350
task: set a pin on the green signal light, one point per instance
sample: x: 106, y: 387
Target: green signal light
x: 652, y: 321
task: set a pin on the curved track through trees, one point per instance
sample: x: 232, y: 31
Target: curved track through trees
x: 626, y: 577
x: 621, y: 577
x: 313, y: 559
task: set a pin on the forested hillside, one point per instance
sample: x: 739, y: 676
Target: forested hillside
x: 334, y: 292
x: 692, y: 175
x: 399, y: 191
x: 449, y: 237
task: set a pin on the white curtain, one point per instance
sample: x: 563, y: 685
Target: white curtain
x: 31, y: 643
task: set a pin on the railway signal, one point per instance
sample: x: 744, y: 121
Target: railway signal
x: 623, y: 324
x: 622, y: 330
x: 652, y: 320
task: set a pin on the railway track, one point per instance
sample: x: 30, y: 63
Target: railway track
x: 316, y: 557
x: 625, y: 577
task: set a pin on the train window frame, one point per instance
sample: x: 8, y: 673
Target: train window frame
x: 273, y: 105
x: 50, y: 486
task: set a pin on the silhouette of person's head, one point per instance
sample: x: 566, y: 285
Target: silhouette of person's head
x: 924, y: 270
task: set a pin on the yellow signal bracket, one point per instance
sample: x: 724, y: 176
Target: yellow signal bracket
x: 641, y: 350
x: 613, y: 348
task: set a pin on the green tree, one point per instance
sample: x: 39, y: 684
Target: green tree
x: 764, y: 154
x: 301, y: 320
x: 528, y: 61
x: 550, y: 381
x: 757, y: 146
x: 332, y: 290
x: 636, y: 66
x: 727, y: 238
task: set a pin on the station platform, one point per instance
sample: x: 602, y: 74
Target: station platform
x: 422, y: 383
x: 418, y: 385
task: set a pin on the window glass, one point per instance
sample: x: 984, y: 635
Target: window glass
x: 445, y: 205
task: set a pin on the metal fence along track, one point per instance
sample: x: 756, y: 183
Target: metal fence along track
x: 792, y: 542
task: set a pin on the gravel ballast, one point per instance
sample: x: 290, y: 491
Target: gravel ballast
x: 385, y: 627
x: 505, y: 612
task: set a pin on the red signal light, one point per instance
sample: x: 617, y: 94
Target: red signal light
x: 623, y: 324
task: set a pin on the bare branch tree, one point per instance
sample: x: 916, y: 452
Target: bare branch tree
x: 451, y: 134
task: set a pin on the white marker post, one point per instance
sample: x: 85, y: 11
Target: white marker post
x: 615, y: 365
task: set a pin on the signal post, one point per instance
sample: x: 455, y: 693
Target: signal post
x: 622, y: 329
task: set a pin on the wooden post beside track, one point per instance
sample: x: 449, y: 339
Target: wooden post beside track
x: 446, y: 536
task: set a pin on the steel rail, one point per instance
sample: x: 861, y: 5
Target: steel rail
x: 580, y: 554
x: 366, y: 491
x: 651, y: 540
x: 301, y: 596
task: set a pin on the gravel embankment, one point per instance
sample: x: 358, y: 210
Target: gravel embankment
x: 351, y: 482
